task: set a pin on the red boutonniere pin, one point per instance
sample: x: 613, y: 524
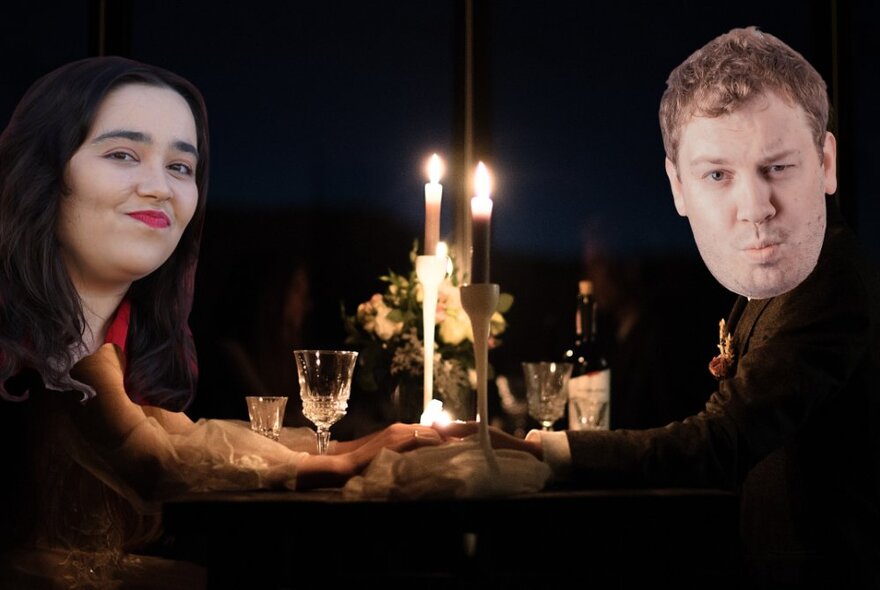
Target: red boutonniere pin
x: 721, y: 364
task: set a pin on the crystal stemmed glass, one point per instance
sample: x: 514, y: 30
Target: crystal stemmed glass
x: 547, y: 391
x: 324, y: 386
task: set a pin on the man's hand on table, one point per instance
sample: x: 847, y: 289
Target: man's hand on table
x: 500, y: 439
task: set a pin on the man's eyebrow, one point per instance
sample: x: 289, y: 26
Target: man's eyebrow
x: 714, y: 160
x: 781, y: 155
x: 141, y: 137
x: 721, y: 161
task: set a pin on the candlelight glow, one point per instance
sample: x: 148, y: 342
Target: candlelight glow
x: 435, y: 169
x: 482, y: 181
x: 435, y: 414
x: 443, y: 251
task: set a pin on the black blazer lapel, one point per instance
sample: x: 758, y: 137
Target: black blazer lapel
x: 746, y: 323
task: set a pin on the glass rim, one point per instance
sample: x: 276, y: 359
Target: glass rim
x: 266, y: 397
x: 325, y: 351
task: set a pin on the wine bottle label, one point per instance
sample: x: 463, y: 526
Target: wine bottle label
x: 589, y: 401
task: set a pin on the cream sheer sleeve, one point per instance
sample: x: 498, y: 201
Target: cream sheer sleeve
x: 298, y: 438
x: 147, y: 454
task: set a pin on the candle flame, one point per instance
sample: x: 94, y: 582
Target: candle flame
x: 435, y: 414
x: 482, y: 181
x: 435, y: 169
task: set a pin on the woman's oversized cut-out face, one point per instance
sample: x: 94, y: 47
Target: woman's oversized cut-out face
x: 132, y: 188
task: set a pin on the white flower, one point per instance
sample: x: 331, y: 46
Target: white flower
x: 472, y: 378
x: 385, y: 328
x: 497, y: 324
x: 448, y: 295
x: 366, y: 313
x: 373, y: 316
x: 455, y: 326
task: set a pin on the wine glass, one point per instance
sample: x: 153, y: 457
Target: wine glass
x: 547, y: 391
x: 324, y: 386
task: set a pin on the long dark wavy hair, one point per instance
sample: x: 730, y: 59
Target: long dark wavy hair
x: 41, y: 316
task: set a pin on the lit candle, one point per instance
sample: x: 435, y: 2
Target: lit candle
x: 481, y: 216
x: 435, y: 414
x: 433, y: 194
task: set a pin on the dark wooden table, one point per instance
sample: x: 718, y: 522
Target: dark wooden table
x: 609, y: 538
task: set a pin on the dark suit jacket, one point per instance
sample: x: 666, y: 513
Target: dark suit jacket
x: 795, y: 427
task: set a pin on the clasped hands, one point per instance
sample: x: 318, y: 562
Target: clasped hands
x: 406, y: 437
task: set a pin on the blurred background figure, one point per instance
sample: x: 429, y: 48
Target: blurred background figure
x: 657, y: 320
x: 265, y: 304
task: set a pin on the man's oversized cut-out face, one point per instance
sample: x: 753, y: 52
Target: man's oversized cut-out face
x: 752, y: 185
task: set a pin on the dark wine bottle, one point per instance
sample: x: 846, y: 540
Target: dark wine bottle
x: 589, y: 389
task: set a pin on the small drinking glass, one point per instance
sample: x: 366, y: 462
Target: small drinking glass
x: 267, y: 414
x: 324, y: 386
x: 590, y: 413
x: 547, y: 391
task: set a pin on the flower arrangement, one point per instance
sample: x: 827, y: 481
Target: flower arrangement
x: 387, y: 332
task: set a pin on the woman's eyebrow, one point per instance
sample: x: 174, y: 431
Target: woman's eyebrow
x: 138, y: 136
x: 141, y: 137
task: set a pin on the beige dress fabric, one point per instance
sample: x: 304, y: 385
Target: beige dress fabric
x: 94, y: 502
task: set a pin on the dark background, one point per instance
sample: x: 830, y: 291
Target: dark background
x: 324, y: 113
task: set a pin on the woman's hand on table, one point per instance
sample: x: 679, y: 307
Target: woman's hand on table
x: 351, y: 457
x: 406, y: 436
x: 397, y: 437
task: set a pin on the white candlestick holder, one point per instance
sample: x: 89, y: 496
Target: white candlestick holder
x: 480, y: 301
x: 431, y: 270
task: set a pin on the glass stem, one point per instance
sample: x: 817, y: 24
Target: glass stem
x: 323, y: 441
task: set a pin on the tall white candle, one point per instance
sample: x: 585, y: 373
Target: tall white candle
x: 481, y: 217
x: 433, y: 196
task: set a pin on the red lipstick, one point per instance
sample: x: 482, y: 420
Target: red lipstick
x: 157, y: 219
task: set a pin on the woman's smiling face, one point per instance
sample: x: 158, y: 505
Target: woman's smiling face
x: 132, y: 187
